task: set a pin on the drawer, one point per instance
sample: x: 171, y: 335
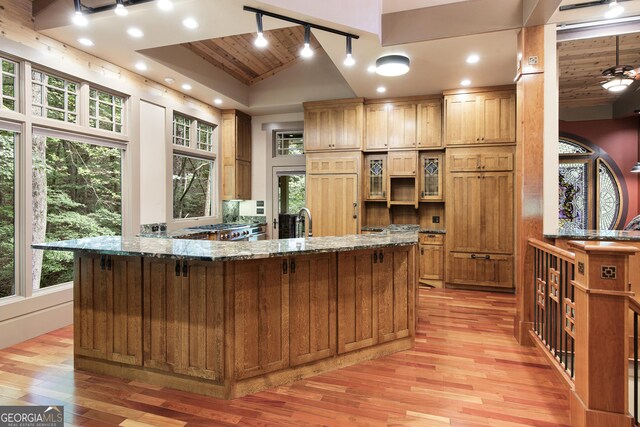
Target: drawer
x: 431, y: 239
x: 480, y: 269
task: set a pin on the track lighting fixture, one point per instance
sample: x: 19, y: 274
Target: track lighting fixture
x: 614, y: 10
x: 120, y: 10
x: 78, y: 17
x: 306, y: 51
x: 349, y: 61
x: 260, y: 41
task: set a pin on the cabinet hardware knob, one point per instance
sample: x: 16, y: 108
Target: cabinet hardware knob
x: 487, y: 257
x: 473, y: 256
x: 284, y: 266
x: 375, y: 257
x: 381, y: 256
x: 177, y: 268
x: 102, y: 262
x: 293, y: 266
x: 185, y: 269
x: 421, y: 251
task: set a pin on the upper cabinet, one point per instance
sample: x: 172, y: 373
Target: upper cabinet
x: 398, y: 125
x: 236, y: 155
x: 480, y: 118
x: 334, y: 125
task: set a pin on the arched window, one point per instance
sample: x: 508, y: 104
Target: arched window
x: 591, y: 195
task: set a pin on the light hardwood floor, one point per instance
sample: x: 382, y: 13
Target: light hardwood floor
x: 465, y: 370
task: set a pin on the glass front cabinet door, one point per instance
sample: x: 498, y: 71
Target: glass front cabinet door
x: 376, y: 173
x: 431, y: 171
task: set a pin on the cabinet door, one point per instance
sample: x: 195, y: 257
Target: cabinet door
x: 375, y: 177
x: 90, y: 306
x: 243, y: 180
x: 243, y: 138
x: 461, y: 120
x: 261, y: 312
x: 460, y: 160
x: 124, y: 310
x: 202, y: 343
x: 395, y: 286
x: 429, y: 132
x: 464, y: 212
x: 497, y: 225
x: 317, y: 129
x: 357, y: 301
x: 431, y: 262
x: 498, y: 117
x: 402, y: 125
x: 376, y: 130
x: 431, y: 172
x: 497, y: 160
x: 312, y: 308
x: 346, y: 125
x: 163, y: 305
x: 333, y: 201
x: 480, y: 269
x: 402, y: 163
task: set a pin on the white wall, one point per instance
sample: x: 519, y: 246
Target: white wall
x: 153, y: 193
x: 550, y: 178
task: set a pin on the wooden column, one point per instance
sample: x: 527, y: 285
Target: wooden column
x: 529, y: 170
x: 600, y: 396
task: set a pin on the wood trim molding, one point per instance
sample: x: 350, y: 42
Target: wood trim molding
x: 478, y: 90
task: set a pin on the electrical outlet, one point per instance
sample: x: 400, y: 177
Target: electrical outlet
x: 533, y: 60
x: 435, y: 219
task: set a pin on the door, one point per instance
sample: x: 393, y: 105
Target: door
x: 289, y: 196
x: 429, y: 127
x: 333, y: 201
x: 395, y: 281
x: 402, y: 125
x: 376, y: 127
x: 464, y: 208
x: 461, y: 126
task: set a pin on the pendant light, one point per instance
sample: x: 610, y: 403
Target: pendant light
x: 78, y: 17
x: 260, y: 41
x: 620, y: 77
x: 306, y: 51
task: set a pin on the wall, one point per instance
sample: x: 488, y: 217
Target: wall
x: 152, y: 173
x: 619, y: 139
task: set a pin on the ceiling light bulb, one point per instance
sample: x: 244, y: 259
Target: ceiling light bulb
x: 614, y: 10
x: 120, y: 10
x: 186, y: 86
x: 349, y: 61
x: 472, y: 59
x: 371, y: 68
x: 260, y: 41
x: 190, y: 23
x: 135, y: 32
x: 141, y: 66
x: 617, y: 84
x: 465, y: 82
x: 306, y: 51
x: 381, y: 89
x: 392, y: 65
x: 79, y: 19
x: 217, y: 101
x: 165, y: 5
x: 85, y: 42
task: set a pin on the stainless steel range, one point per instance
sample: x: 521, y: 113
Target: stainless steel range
x: 233, y: 232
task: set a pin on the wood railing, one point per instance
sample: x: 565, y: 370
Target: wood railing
x: 634, y: 307
x: 554, y: 306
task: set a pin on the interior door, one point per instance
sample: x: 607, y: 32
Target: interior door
x: 289, y: 195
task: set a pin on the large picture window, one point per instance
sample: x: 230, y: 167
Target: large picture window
x: 192, y: 187
x: 76, y: 192
x: 7, y: 213
x: 54, y: 97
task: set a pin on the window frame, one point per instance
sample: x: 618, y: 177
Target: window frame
x: 123, y: 113
x: 44, y: 106
x: 274, y: 144
x: 16, y: 85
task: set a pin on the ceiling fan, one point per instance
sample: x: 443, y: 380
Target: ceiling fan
x: 619, y: 77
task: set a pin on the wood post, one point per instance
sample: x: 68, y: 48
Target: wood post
x: 600, y: 396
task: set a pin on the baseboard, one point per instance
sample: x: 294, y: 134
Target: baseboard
x: 36, y: 323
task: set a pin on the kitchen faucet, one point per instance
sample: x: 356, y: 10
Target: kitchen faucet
x: 301, y: 216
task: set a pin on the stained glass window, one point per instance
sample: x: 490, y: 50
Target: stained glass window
x: 570, y: 147
x: 609, y: 202
x: 431, y: 167
x: 574, y: 197
x: 376, y: 177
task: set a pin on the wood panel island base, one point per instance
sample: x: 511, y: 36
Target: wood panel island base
x: 228, y: 319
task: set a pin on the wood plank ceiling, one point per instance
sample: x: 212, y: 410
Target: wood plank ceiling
x: 582, y: 63
x: 237, y: 55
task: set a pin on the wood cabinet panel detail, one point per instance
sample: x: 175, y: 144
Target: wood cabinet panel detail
x: 376, y: 127
x: 333, y: 201
x: 480, y: 269
x: 431, y: 262
x: 333, y: 127
x: 394, y: 279
x: 402, y: 163
x: 236, y: 155
x: 375, y: 177
x: 429, y: 124
x: 402, y: 125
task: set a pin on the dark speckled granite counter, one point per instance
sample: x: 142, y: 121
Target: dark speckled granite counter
x: 395, y: 228
x: 613, y: 235
x: 227, y: 251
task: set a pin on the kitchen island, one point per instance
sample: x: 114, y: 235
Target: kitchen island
x: 228, y: 319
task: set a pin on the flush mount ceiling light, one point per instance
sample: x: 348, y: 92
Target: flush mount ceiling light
x: 306, y: 51
x: 135, y: 32
x: 392, y: 65
x: 120, y: 10
x: 620, y: 77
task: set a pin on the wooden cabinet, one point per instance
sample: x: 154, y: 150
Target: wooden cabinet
x: 261, y: 314
x: 108, y: 308
x: 236, y: 155
x: 431, y: 262
x: 375, y: 177
x: 333, y: 202
x: 402, y: 163
x: 312, y: 308
x: 487, y: 159
x: 377, y: 127
x: 480, y: 118
x: 183, y: 317
x: 394, y: 279
x: 402, y: 125
x: 480, y: 269
x: 429, y: 126
x: 336, y: 125
x: 431, y: 172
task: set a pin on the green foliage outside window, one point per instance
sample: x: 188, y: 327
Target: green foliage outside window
x: 7, y: 214
x: 9, y: 73
x: 105, y: 110
x: 192, y: 187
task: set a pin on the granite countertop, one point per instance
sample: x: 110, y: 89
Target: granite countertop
x: 186, y: 232
x: 209, y: 250
x: 398, y: 228
x: 597, y: 235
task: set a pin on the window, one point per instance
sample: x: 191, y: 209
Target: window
x: 54, y: 97
x: 105, y: 110
x: 288, y: 143
x: 181, y: 130
x: 76, y: 192
x: 193, y: 133
x: 192, y: 187
x: 7, y: 213
x: 9, y: 72
x: 590, y: 193
x: 205, y: 137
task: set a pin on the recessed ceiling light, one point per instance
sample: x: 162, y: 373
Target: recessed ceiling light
x: 120, y: 10
x: 190, y: 23
x: 135, y: 32
x: 170, y: 80
x: 217, y: 101
x: 186, y: 86
x: 381, y: 89
x: 165, y: 5
x: 473, y: 58
x: 79, y: 19
x: 141, y: 66
x: 465, y: 82
x: 85, y: 42
x: 371, y: 68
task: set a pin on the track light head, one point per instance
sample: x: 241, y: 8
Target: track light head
x: 614, y: 10
x: 349, y: 61
x: 306, y: 51
x: 260, y: 40
x: 120, y: 10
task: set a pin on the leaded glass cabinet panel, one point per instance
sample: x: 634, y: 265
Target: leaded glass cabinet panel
x: 431, y: 169
x: 376, y: 173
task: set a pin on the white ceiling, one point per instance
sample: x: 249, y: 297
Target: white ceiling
x: 436, y: 64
